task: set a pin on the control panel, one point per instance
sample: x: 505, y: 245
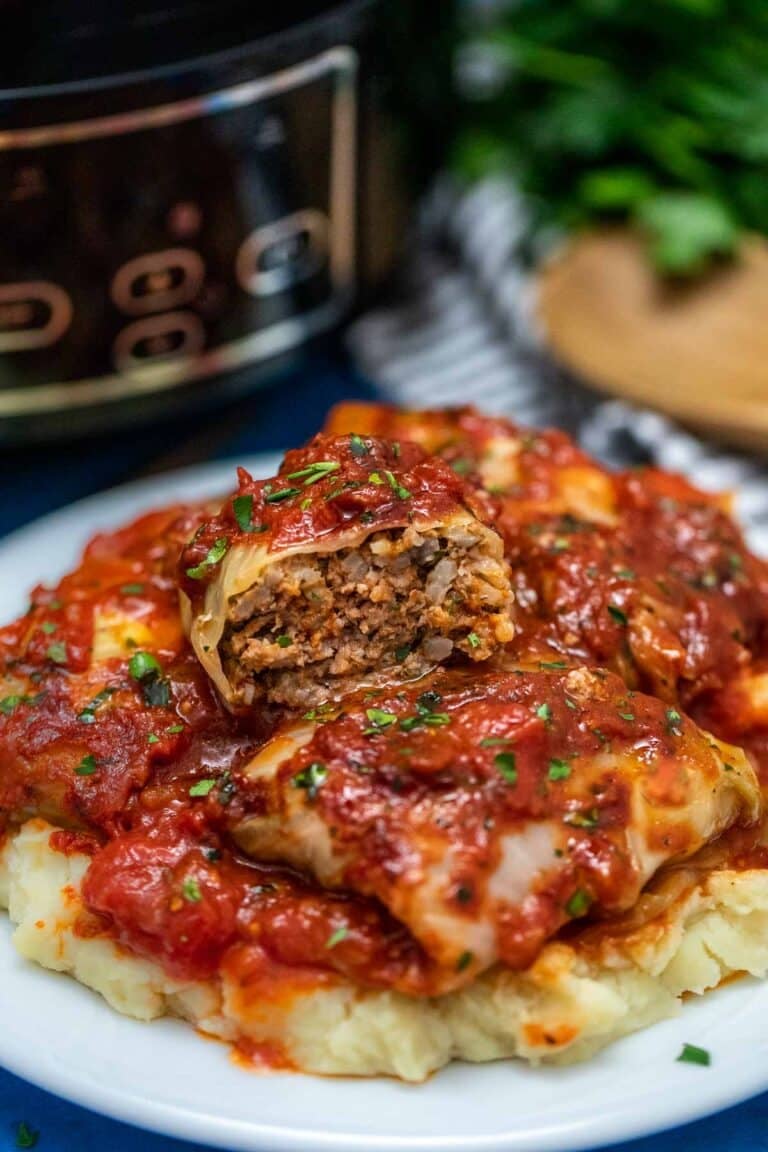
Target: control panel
x: 165, y: 244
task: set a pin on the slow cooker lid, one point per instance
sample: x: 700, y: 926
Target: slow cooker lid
x: 54, y: 42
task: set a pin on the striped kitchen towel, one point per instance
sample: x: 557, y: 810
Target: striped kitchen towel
x: 463, y: 331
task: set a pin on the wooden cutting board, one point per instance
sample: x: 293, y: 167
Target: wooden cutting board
x: 698, y: 352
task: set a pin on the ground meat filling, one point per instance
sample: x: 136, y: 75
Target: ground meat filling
x: 405, y: 600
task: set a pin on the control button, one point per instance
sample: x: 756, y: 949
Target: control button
x: 281, y: 254
x: 158, y: 338
x: 158, y: 281
x: 33, y: 314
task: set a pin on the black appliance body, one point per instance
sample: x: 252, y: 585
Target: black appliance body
x: 187, y: 196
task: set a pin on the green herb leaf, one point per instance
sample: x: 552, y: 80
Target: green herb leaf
x: 153, y: 739
x: 190, y: 890
x: 314, y: 472
x: 402, y: 653
x: 691, y: 1054
x: 686, y: 230
x: 674, y: 720
x: 132, y: 589
x: 87, y: 766
x: 579, y: 903
x: 26, y: 1137
x: 375, y: 478
x: 337, y: 936
x: 494, y: 741
x: 57, y: 652
x: 284, y: 641
x: 175, y: 729
x: 473, y: 640
x: 399, y: 491
x: 48, y: 627
x: 559, y: 770
x: 9, y: 704
x: 202, y: 787
x: 311, y: 778
x: 616, y: 614
x: 544, y: 712
x: 88, y: 714
x: 552, y: 665
x: 358, y: 446
x: 464, y: 961
x: 506, y: 764
x: 216, y: 554
x: 242, y: 506
x: 379, y: 720
x: 142, y: 665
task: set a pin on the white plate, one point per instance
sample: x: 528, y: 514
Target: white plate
x: 62, y: 1037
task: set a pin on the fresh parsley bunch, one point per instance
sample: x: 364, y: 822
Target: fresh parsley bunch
x: 651, y: 111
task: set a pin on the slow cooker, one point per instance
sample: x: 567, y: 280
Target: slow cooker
x: 189, y: 192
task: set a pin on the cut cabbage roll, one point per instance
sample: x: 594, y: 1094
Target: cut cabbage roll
x: 487, y: 811
x: 363, y: 561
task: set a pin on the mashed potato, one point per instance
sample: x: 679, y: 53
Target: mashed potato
x: 691, y: 930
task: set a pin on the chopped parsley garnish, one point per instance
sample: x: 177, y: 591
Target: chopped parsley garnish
x: 337, y: 936
x: 145, y: 668
x: 578, y: 903
x: 461, y: 467
x: 367, y: 517
x: 242, y: 506
x: 552, y: 665
x: 735, y: 561
x: 314, y: 472
x: 215, y: 555
x: 190, y: 890
x: 674, y: 720
x: 473, y: 640
x: 202, y: 787
x: 48, y: 627
x: 691, y: 1054
x: 379, y: 720
x: 213, y: 854
x: 132, y: 589
x: 157, y: 693
x: 616, y: 614
x: 57, y: 652
x: 506, y: 764
x: 175, y: 729
x: 589, y: 819
x: 464, y: 961
x: 626, y: 574
x: 322, y: 714
x: 397, y: 488
x: 88, y: 714
x: 142, y: 665
x: 570, y: 703
x: 375, y: 478
x: 87, y: 766
x: 544, y: 712
x: 153, y: 739
x: 559, y: 770
x: 493, y: 741
x: 279, y: 496
x: 402, y: 653
x: 425, y: 714
x: 284, y: 641
x: 26, y: 1137
x: 311, y: 778
x: 9, y: 704
x: 628, y: 716
x: 358, y: 446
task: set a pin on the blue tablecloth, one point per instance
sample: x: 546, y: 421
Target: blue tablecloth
x: 36, y: 481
